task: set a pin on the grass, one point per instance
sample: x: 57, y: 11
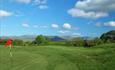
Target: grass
x: 58, y: 58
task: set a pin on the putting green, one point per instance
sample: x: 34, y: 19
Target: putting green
x: 58, y: 58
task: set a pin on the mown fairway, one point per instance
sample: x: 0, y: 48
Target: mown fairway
x: 58, y: 58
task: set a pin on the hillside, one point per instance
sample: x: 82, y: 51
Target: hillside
x: 51, y: 38
x: 32, y: 37
x: 58, y: 58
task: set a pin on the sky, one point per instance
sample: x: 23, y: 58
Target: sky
x: 56, y: 17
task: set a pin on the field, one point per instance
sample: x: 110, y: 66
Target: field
x: 58, y: 58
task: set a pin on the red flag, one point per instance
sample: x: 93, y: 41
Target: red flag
x: 8, y: 43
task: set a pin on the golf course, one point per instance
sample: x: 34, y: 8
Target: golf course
x: 101, y: 57
x: 57, y: 34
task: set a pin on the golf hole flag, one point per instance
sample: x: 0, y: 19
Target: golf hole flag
x: 8, y: 43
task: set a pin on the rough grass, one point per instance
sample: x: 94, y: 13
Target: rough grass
x: 58, y: 58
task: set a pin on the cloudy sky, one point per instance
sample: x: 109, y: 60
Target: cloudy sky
x: 56, y: 17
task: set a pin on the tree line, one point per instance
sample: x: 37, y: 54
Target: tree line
x: 108, y: 37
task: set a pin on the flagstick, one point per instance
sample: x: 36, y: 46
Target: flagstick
x: 11, y: 55
x: 10, y: 51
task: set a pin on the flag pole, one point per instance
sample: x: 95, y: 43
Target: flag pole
x: 8, y: 43
x: 10, y: 50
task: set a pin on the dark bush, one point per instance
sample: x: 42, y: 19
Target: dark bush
x: 108, y: 37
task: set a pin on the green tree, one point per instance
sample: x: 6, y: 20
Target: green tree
x: 40, y: 40
x: 109, y: 36
x: 3, y: 41
x: 17, y: 42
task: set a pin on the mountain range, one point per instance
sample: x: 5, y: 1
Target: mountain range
x: 51, y: 38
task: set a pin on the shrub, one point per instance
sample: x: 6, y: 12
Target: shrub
x: 108, y: 37
x: 75, y: 42
x: 40, y: 40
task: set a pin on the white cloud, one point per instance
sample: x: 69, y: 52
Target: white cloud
x: 43, y: 6
x: 43, y: 26
x: 25, y: 25
x: 4, y: 13
x: 81, y: 13
x: 96, y: 5
x: 39, y: 2
x: 92, y: 8
x: 66, y: 26
x: 24, y: 1
x: 54, y: 26
x: 111, y: 23
x: 63, y: 31
x: 76, y: 34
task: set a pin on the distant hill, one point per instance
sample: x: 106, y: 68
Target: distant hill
x: 32, y: 37
x: 22, y: 37
x: 51, y: 38
x: 55, y: 38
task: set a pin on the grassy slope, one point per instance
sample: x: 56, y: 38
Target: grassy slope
x: 58, y: 58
